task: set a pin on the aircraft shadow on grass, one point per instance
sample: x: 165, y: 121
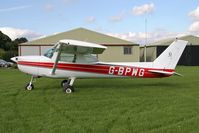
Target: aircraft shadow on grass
x: 124, y: 84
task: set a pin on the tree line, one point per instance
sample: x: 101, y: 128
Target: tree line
x: 9, y: 48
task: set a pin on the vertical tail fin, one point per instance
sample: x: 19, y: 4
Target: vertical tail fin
x: 170, y: 57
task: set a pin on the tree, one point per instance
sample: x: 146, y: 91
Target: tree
x: 20, y: 40
x: 9, y: 48
x: 2, y: 52
x: 3, y: 40
x: 16, y: 42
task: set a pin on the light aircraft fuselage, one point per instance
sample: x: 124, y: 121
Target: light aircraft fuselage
x: 76, y: 59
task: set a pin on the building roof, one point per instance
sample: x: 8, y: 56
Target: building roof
x: 80, y: 34
x: 192, y: 40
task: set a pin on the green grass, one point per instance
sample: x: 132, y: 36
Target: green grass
x: 100, y: 105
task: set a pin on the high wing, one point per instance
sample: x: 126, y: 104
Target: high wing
x: 76, y: 47
x: 80, y: 47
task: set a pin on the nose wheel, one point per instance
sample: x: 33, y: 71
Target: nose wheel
x: 30, y: 85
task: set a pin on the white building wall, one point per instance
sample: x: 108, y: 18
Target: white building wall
x: 33, y: 50
x: 29, y: 50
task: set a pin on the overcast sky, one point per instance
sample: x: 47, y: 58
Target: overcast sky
x: 122, y: 18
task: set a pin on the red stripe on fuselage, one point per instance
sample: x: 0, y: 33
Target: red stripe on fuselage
x: 107, y: 69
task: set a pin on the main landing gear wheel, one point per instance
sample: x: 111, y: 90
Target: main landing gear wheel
x: 64, y: 82
x: 29, y: 87
x: 68, y: 85
x: 68, y: 89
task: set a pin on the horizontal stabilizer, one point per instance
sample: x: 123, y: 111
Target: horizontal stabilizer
x: 165, y: 72
x: 161, y: 72
x: 178, y: 74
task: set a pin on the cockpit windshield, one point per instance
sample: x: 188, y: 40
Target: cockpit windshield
x: 50, y: 52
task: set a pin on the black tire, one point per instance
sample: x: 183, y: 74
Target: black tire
x: 29, y: 87
x: 68, y: 89
x: 64, y: 82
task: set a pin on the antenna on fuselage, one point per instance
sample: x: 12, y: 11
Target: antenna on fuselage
x: 145, y: 45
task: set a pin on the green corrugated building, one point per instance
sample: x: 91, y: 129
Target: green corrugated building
x: 188, y: 58
x: 118, y: 49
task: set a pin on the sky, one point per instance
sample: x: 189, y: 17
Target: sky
x: 131, y: 20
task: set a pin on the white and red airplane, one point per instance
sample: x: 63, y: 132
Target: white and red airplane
x: 71, y: 59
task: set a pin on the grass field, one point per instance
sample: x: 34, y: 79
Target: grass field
x: 100, y: 105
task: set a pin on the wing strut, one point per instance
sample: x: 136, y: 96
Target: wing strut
x: 56, y: 59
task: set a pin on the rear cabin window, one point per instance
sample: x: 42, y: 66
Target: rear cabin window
x: 70, y: 54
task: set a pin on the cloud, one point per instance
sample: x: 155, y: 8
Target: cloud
x: 67, y: 2
x: 143, y: 9
x: 195, y: 14
x: 194, y: 27
x: 15, y: 8
x: 48, y: 7
x: 140, y: 37
x: 136, y: 37
x: 14, y: 33
x: 117, y: 18
x: 90, y: 19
